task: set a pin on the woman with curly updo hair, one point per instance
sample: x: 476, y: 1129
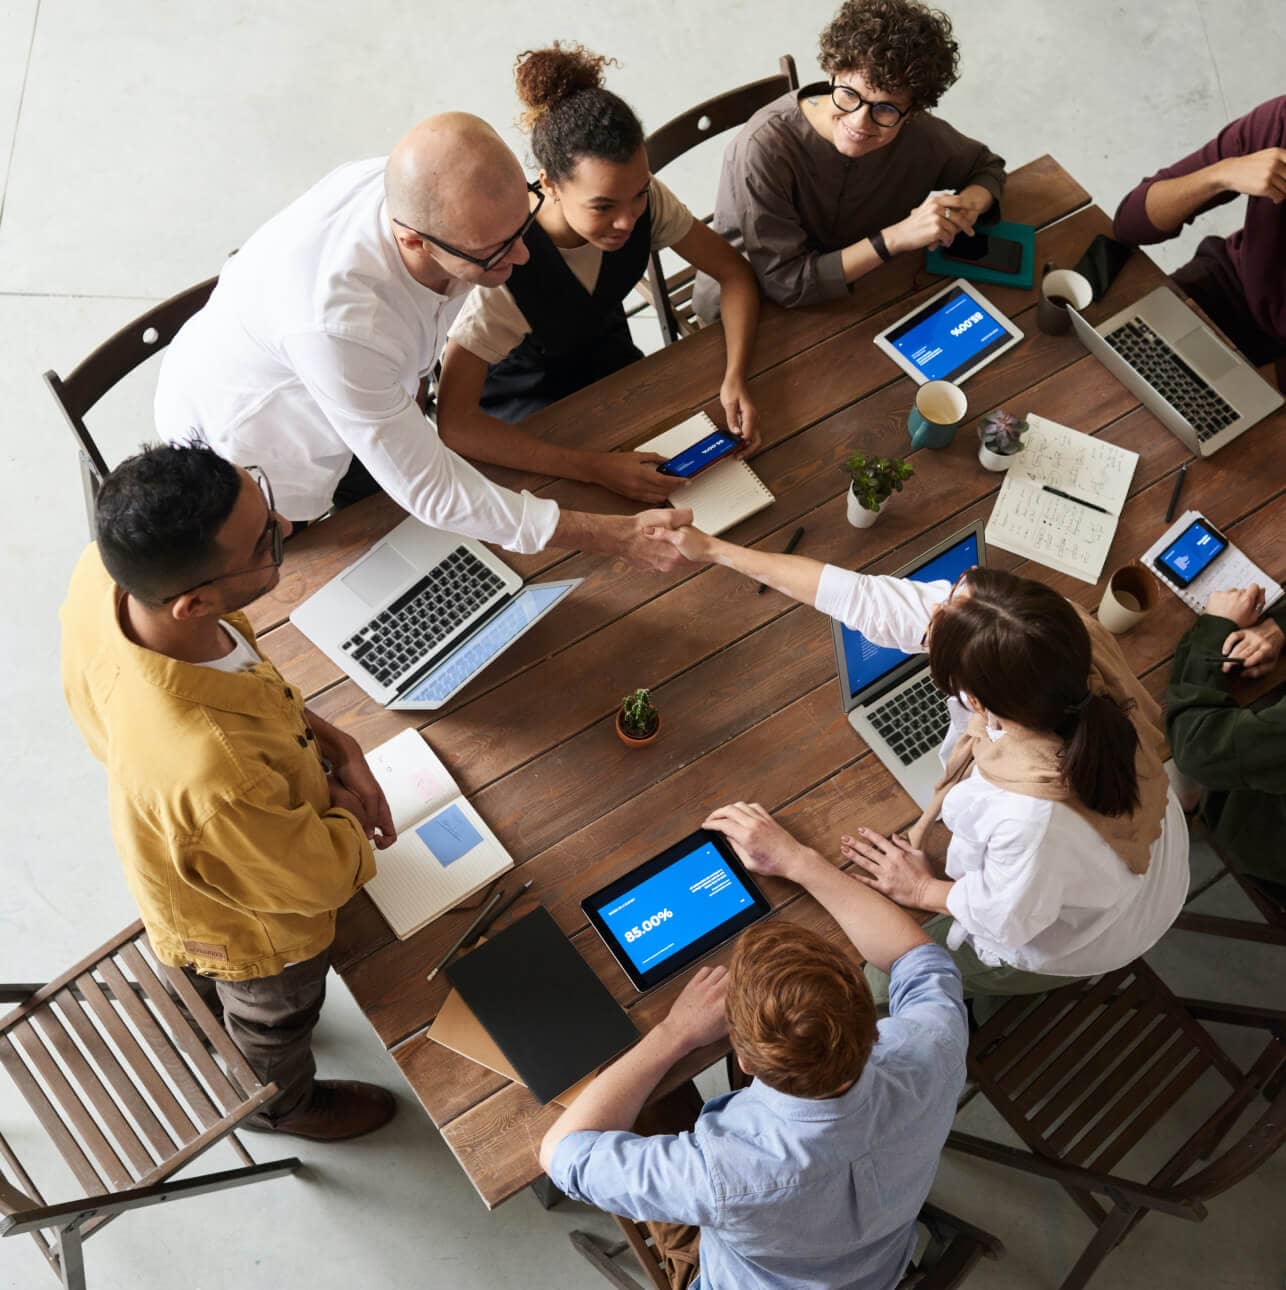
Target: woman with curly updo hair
x: 822, y: 185
x: 558, y: 322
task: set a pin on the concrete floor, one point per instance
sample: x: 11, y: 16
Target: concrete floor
x: 139, y: 143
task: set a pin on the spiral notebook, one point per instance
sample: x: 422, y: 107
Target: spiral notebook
x: 719, y: 497
x: 1231, y: 570
x: 444, y: 851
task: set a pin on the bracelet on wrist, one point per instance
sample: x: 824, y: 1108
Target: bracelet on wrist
x: 880, y: 247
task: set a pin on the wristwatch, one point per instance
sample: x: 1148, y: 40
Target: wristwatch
x: 877, y: 241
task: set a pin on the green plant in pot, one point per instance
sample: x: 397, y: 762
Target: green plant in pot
x: 872, y: 481
x: 637, y: 721
x: 1000, y: 437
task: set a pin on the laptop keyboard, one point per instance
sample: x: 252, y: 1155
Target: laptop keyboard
x: 407, y: 632
x: 1157, y: 363
x: 913, y: 721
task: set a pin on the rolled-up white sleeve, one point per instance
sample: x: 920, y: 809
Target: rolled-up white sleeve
x: 358, y: 390
x: 892, y: 613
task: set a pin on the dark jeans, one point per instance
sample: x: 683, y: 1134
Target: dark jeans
x: 1212, y: 281
x: 271, y: 1020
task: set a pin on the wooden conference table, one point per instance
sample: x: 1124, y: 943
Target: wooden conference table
x: 745, y: 683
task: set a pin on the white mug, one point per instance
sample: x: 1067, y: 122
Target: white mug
x: 1127, y: 599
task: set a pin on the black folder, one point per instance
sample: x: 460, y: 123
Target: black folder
x: 541, y: 1002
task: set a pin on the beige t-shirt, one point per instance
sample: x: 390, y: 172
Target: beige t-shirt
x: 491, y: 325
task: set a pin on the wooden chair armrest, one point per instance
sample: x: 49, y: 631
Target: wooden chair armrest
x: 1167, y: 1201
x: 942, y: 1221
x: 1240, y: 1160
x: 15, y: 993
x: 1237, y: 1014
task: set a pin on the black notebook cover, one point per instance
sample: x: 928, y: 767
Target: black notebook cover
x: 542, y: 1004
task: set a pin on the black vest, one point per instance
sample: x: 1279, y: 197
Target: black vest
x: 576, y: 336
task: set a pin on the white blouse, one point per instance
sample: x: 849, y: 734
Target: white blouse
x: 1034, y: 885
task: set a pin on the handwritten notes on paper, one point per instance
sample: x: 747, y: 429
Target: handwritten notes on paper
x: 1073, y: 532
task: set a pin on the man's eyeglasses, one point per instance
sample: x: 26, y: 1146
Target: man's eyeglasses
x: 490, y: 261
x: 847, y: 99
x: 271, y: 531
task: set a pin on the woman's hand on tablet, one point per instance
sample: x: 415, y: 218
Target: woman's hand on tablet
x: 761, y: 844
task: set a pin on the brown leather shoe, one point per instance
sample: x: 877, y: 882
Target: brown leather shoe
x: 338, y: 1109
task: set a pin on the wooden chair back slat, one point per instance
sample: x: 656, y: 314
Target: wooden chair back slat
x: 1153, y: 1110
x: 37, y: 1000
x: 92, y: 1086
x: 74, y: 1111
x: 180, y: 1122
x: 50, y: 1120
x: 167, y: 1055
x: 1018, y: 1026
x: 233, y: 1059
x: 227, y: 1094
x: 126, y: 1091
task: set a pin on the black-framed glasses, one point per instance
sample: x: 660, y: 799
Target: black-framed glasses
x: 490, y: 261
x: 847, y: 99
x: 271, y: 530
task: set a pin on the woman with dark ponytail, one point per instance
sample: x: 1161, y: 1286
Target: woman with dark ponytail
x: 558, y: 323
x: 1069, y: 850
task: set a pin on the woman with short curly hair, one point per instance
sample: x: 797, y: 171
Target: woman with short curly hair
x: 822, y: 185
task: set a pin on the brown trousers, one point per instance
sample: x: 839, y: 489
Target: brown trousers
x: 271, y: 1020
x: 678, y: 1245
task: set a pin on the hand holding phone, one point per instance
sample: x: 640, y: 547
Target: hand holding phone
x: 702, y: 455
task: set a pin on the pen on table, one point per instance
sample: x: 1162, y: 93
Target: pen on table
x: 790, y: 546
x: 492, y: 901
x: 1174, y: 496
x: 499, y: 913
x: 1058, y: 492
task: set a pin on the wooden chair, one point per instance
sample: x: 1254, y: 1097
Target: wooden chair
x: 952, y: 1249
x: 1272, y: 931
x: 673, y: 296
x: 109, y: 364
x: 1085, y: 1074
x: 117, y: 1061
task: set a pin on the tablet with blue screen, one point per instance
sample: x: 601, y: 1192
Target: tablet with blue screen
x: 675, y: 908
x: 954, y: 334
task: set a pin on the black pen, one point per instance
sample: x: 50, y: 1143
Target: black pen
x: 790, y: 546
x: 1058, y: 492
x: 1178, y: 488
x: 503, y: 909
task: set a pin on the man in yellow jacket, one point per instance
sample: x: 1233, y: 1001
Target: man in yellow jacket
x: 243, y: 820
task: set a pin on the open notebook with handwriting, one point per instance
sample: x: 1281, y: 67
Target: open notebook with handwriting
x: 1062, y: 498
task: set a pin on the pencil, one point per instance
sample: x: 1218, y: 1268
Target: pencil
x: 504, y: 909
x: 492, y: 901
x: 1178, y: 488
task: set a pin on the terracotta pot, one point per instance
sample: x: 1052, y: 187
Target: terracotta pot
x: 630, y: 741
x: 858, y: 516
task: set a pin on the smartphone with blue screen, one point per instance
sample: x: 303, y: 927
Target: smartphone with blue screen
x: 702, y: 455
x: 1191, y: 553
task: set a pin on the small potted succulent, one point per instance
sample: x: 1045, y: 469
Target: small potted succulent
x: 637, y: 721
x: 872, y: 481
x: 1001, y: 440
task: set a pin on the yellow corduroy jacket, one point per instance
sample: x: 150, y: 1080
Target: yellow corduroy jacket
x: 218, y: 796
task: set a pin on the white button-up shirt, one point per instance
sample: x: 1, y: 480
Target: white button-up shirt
x: 311, y: 351
x: 1034, y: 885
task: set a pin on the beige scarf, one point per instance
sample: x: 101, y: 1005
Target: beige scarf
x: 1029, y: 763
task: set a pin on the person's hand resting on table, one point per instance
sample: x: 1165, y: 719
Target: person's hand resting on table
x: 895, y: 868
x: 635, y: 475
x: 1257, y: 644
x: 742, y: 415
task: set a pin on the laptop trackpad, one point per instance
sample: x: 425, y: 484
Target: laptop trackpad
x: 380, y: 576
x: 1206, y: 354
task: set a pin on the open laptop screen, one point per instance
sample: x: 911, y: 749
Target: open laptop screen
x: 864, y: 664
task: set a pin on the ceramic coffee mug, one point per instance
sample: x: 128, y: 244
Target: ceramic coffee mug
x: 1058, y: 289
x: 1128, y: 598
x: 939, y: 409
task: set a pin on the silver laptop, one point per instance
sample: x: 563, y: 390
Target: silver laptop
x: 422, y: 613
x: 889, y: 696
x: 1201, y: 390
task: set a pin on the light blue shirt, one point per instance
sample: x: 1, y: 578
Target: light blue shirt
x: 793, y: 1193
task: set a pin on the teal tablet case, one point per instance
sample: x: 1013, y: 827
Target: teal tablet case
x: 1023, y: 234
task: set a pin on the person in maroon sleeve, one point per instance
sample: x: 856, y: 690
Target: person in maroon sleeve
x: 1240, y: 281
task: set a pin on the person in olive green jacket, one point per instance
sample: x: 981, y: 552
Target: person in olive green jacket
x: 243, y: 820
x: 1237, y: 754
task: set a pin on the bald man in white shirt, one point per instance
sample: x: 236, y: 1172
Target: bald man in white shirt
x: 313, y: 347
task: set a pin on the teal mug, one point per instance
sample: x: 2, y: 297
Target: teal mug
x: 939, y: 409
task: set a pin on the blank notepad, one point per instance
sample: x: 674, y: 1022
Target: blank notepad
x: 720, y: 497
